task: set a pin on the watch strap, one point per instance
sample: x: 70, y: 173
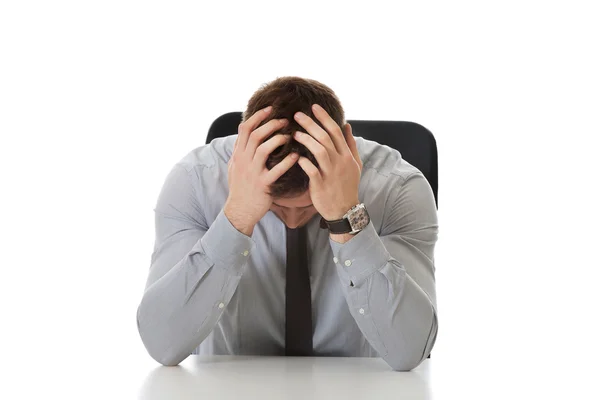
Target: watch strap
x: 338, y: 226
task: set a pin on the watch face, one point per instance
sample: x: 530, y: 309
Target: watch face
x: 359, y: 219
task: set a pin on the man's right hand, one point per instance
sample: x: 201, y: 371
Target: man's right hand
x: 249, y: 178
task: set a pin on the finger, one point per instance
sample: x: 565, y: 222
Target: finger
x: 259, y: 135
x: 349, y: 138
x: 335, y: 133
x: 315, y: 148
x: 313, y: 172
x: 315, y: 131
x: 281, y: 168
x: 246, y: 127
x: 264, y: 150
x: 235, y: 145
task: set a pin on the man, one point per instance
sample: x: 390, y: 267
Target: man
x: 274, y: 242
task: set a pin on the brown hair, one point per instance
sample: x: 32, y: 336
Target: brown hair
x: 288, y: 95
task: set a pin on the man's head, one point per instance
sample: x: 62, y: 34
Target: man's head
x: 287, y: 95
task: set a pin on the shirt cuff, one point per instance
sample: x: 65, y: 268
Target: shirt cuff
x: 361, y: 256
x: 225, y: 246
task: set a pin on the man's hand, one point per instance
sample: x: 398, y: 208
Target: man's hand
x: 249, y: 178
x: 334, y: 187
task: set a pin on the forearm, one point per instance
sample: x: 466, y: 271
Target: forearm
x: 239, y: 218
x: 403, y: 316
x: 179, y: 310
x: 396, y: 315
x: 341, y: 238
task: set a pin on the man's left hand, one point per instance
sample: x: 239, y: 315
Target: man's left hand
x: 333, y: 186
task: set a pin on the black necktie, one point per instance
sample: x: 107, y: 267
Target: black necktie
x: 298, y: 314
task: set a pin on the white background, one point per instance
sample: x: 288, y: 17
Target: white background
x: 98, y: 100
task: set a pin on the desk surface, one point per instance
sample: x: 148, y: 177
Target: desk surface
x: 227, y: 377
x: 461, y: 375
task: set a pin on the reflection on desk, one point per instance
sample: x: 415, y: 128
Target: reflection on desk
x: 314, y: 378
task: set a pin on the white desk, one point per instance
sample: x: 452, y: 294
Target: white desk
x: 245, y: 377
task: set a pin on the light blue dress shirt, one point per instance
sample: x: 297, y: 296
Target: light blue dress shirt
x: 213, y: 290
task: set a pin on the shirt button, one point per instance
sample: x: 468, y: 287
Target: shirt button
x: 348, y: 263
x: 361, y: 311
x: 335, y: 260
x: 245, y: 253
x: 221, y: 305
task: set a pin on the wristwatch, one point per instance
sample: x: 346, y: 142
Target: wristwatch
x: 352, y: 222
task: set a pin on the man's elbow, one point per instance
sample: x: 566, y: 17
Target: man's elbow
x: 404, y: 365
x: 409, y: 360
x: 165, y: 359
x: 161, y: 354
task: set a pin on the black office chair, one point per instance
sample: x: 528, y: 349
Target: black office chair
x: 415, y: 142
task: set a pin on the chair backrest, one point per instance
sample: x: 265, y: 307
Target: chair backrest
x: 415, y: 142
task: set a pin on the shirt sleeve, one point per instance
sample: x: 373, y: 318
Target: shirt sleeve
x: 194, y: 272
x: 388, y: 278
